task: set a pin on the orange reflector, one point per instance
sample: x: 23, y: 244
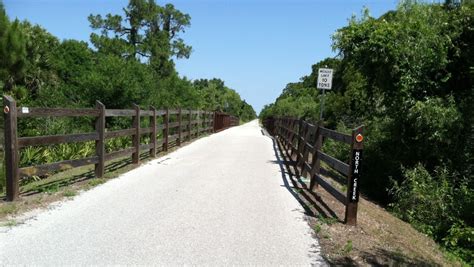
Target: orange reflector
x: 359, y: 138
x: 6, y: 109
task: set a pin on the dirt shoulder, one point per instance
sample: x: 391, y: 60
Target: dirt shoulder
x: 378, y: 239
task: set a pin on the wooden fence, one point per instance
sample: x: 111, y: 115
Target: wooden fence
x: 178, y: 125
x: 303, y: 142
x: 223, y: 120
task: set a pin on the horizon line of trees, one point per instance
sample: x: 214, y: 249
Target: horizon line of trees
x: 132, y: 61
x: 408, y: 76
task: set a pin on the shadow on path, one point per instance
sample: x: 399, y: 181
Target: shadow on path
x: 54, y: 185
x: 311, y: 202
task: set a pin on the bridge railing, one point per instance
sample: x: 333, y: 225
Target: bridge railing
x: 223, y: 121
x: 176, y: 126
x: 303, y: 142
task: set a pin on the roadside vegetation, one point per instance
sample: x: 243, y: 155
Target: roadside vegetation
x: 131, y: 61
x: 408, y: 76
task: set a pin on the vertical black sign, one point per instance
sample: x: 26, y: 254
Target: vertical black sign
x: 355, y: 175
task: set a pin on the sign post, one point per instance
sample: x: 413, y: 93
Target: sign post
x: 353, y: 180
x: 324, y: 83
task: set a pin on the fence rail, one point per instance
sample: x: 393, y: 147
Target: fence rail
x: 178, y: 125
x: 303, y: 142
x: 223, y: 119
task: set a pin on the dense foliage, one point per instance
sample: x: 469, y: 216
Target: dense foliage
x: 131, y: 62
x: 408, y: 76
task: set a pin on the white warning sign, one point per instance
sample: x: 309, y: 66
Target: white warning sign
x: 325, y: 79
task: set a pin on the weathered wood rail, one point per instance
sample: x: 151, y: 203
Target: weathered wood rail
x: 178, y: 126
x: 303, y: 142
x: 223, y: 120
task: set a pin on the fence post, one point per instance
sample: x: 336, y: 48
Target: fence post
x: 280, y: 125
x: 213, y: 118
x: 354, y: 176
x: 281, y: 135
x: 292, y: 137
x: 204, y: 122
x: 136, y: 136
x: 316, y: 163
x: 294, y: 133
x: 197, y: 124
x: 300, y: 142
x: 100, y: 142
x: 189, y: 125
x: 211, y: 123
x: 179, y: 127
x: 302, y: 151
x: 165, y: 129
x: 214, y: 125
x: 153, y: 132
x: 11, y: 148
x: 277, y: 128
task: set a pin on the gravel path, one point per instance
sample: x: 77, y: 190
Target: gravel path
x: 218, y: 201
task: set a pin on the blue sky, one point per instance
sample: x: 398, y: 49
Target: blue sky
x: 255, y: 46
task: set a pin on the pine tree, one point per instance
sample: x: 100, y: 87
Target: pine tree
x: 12, y: 51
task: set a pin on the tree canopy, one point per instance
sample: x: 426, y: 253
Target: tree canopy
x: 131, y: 62
x: 12, y: 51
x: 148, y: 31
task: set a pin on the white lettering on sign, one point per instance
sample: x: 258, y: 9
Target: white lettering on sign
x: 356, y: 164
x: 354, y: 191
x: 25, y: 110
x: 355, y: 175
x: 325, y: 79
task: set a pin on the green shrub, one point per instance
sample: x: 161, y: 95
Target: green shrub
x: 424, y: 200
x: 436, y: 206
x: 460, y: 242
x: 47, y: 154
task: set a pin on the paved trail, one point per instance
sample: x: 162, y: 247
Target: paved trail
x: 218, y: 201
